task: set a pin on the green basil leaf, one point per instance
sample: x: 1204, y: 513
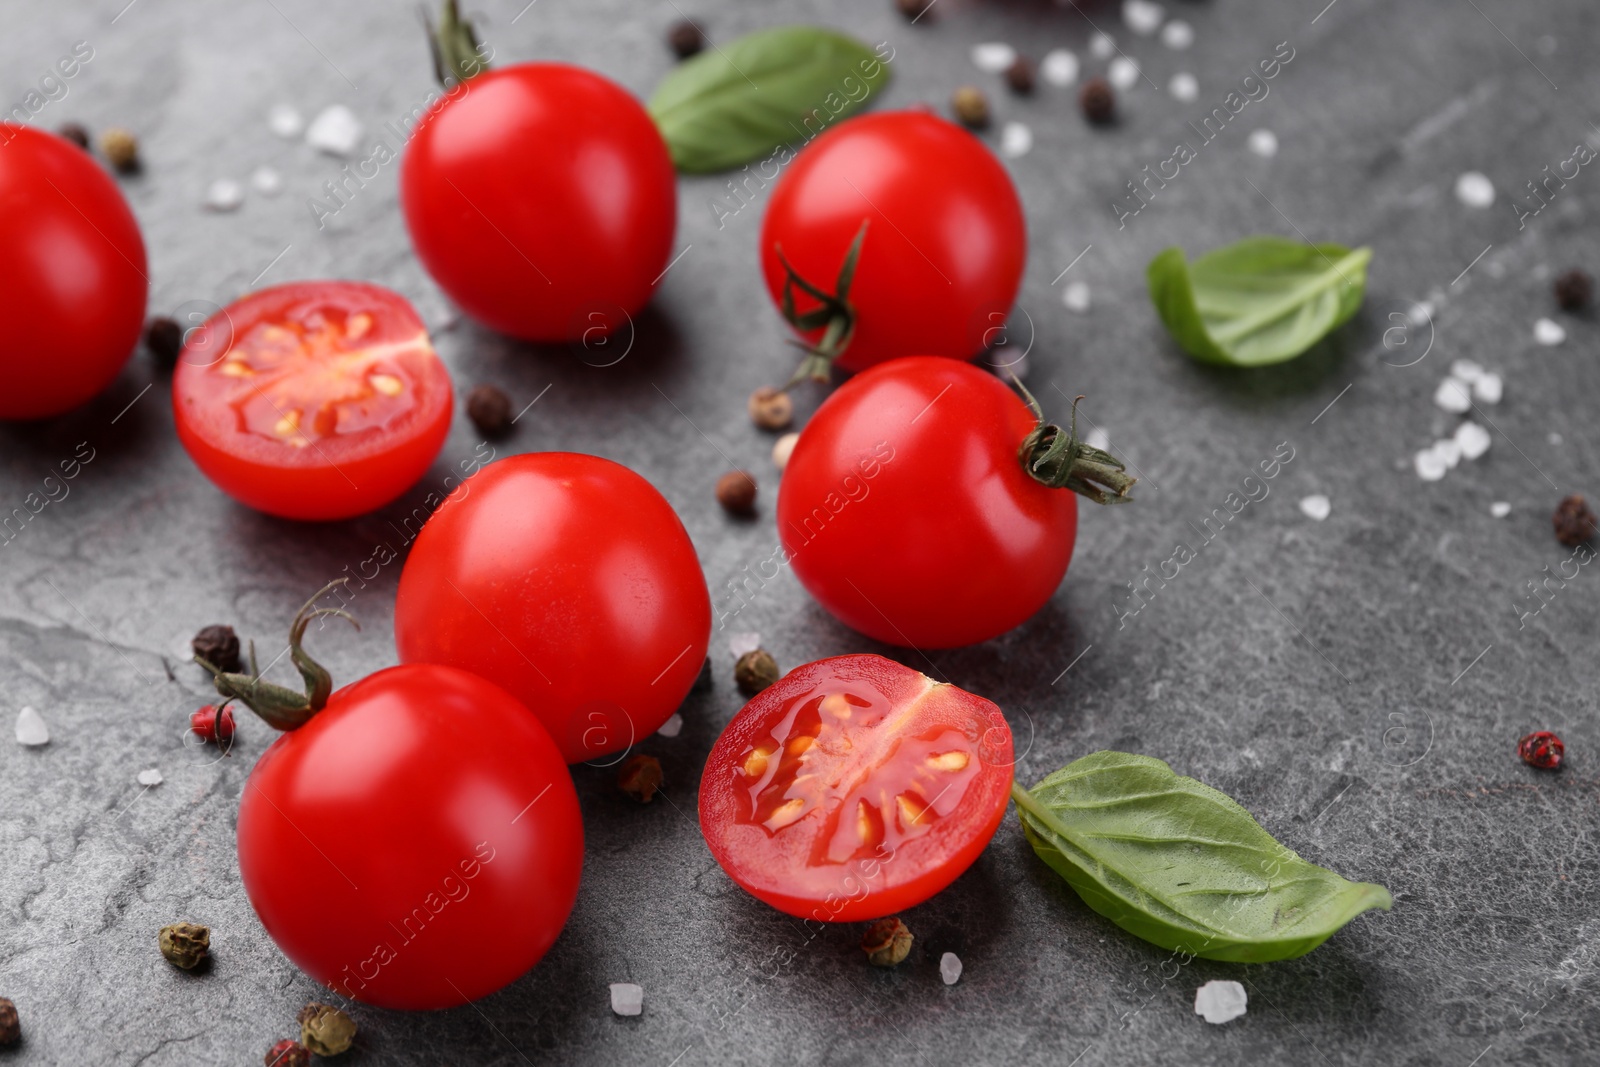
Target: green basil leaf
x: 737, y: 102
x: 1263, y: 300
x: 1181, y: 865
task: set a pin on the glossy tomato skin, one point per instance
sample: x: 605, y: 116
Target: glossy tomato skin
x: 542, y: 199
x: 569, y: 580
x: 854, y: 788
x: 313, y: 400
x: 906, y: 513
x: 946, y: 241
x: 72, y: 266
x: 417, y: 844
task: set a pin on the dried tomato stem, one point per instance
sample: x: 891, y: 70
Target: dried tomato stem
x: 1057, y: 458
x: 834, y: 314
x: 282, y: 707
x: 454, y: 46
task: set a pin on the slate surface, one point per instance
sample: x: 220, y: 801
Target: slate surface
x: 1357, y: 683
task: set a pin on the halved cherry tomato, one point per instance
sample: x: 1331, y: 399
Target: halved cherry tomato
x: 855, y: 787
x: 72, y: 267
x: 312, y: 400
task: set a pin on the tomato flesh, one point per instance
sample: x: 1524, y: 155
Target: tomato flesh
x: 855, y: 787
x: 72, y: 267
x: 397, y: 856
x: 313, y: 400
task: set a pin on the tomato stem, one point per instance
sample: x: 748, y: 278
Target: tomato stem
x: 454, y: 46
x: 1057, y: 458
x: 282, y: 707
x: 834, y: 314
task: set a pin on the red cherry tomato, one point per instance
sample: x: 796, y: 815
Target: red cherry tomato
x: 945, y: 242
x: 570, y: 581
x: 542, y: 199
x: 417, y: 843
x: 312, y: 400
x: 906, y: 512
x: 72, y: 268
x: 854, y: 788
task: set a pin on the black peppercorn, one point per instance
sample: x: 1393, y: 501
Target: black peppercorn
x: 736, y: 492
x: 755, y: 671
x: 10, y: 1026
x: 74, y: 132
x: 1574, y: 290
x: 1098, y: 102
x: 971, y: 107
x: 490, y: 411
x: 685, y: 38
x: 913, y: 9
x: 218, y: 646
x: 185, y: 944
x: 325, y: 1030
x: 1574, y: 522
x: 1019, y: 76
x: 164, y: 338
x: 122, y: 149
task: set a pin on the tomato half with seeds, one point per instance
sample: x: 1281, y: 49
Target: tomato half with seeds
x: 312, y: 400
x: 855, y: 787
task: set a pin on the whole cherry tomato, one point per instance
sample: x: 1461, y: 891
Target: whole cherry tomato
x: 412, y: 840
x: 542, y: 199
x: 72, y: 267
x: 941, y: 256
x: 925, y: 505
x: 854, y: 787
x: 569, y: 580
x: 312, y: 400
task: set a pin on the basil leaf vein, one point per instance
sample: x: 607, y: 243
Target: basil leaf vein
x: 1182, y: 865
x: 737, y: 102
x: 1260, y: 301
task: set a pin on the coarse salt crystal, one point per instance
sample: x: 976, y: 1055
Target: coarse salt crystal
x: 1489, y: 388
x: 1263, y: 143
x: 1123, y: 73
x: 1500, y: 509
x: 1448, y: 451
x: 1015, y: 140
x: 1059, y: 67
x: 739, y: 644
x: 224, y: 194
x: 1473, y: 439
x: 1474, y: 189
x: 627, y: 998
x: 1183, y: 86
x: 1549, y: 332
x: 336, y: 130
x: 1076, y: 296
x: 783, y: 448
x: 31, y: 730
x: 1102, y: 46
x: 1466, y: 370
x: 1553, y: 437
x: 1220, y: 1001
x: 1097, y: 438
x: 267, y: 181
x: 993, y: 56
x: 285, y: 121
x: 1143, y: 17
x: 1453, y: 395
x: 1177, y: 35
x: 150, y: 777
x: 950, y: 968
x: 1316, y: 507
x: 672, y: 727
x: 1430, y: 465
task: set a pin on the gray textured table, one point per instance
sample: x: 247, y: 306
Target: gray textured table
x: 1357, y: 683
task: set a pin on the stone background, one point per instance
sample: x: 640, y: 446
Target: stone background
x: 1358, y: 684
